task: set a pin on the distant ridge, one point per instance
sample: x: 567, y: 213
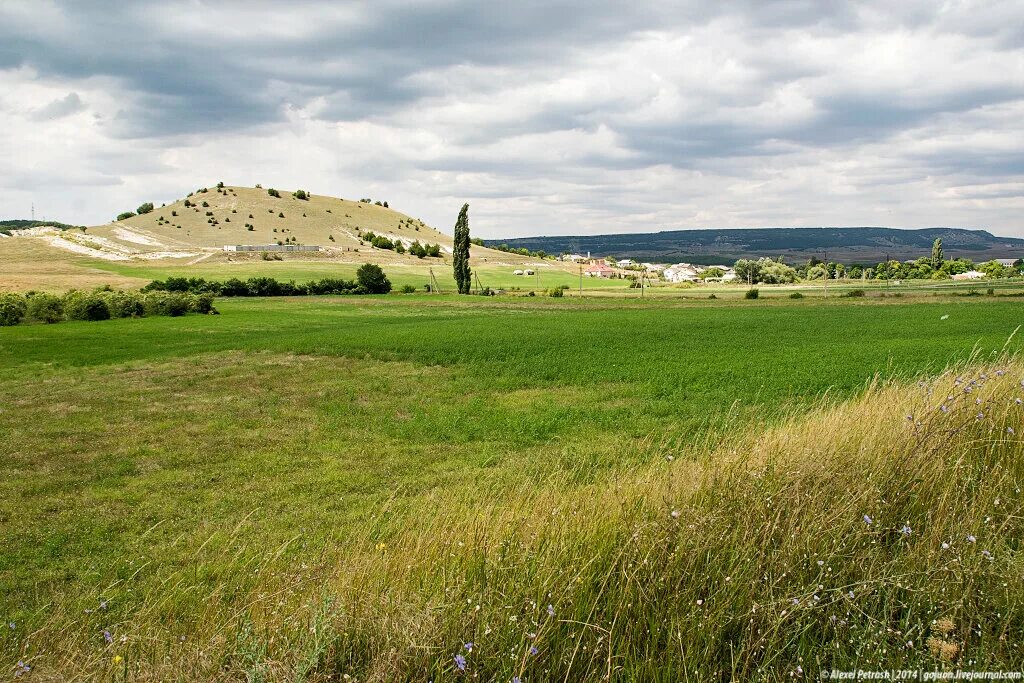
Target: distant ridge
x: 847, y: 244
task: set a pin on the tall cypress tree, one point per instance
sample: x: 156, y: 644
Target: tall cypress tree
x: 937, y: 255
x: 460, y: 251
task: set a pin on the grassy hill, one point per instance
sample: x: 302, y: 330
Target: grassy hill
x: 857, y: 244
x: 187, y: 238
x: 216, y: 217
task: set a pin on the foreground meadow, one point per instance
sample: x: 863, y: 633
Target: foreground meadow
x: 393, y: 489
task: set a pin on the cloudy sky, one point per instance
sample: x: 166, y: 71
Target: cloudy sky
x: 549, y: 117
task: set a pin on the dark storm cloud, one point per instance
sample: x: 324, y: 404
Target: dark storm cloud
x: 192, y: 76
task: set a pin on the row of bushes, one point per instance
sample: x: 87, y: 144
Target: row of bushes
x: 370, y: 279
x: 416, y: 249
x: 99, y: 305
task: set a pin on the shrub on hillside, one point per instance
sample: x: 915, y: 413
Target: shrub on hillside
x: 372, y: 279
x: 556, y: 292
x: 274, y: 193
x: 86, y: 306
x: 751, y: 293
x: 300, y: 194
x: 46, y: 308
x: 145, y: 208
x: 123, y: 216
x: 408, y: 289
x: 12, y: 309
x: 796, y: 295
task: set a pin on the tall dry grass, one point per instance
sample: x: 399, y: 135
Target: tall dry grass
x: 882, y: 532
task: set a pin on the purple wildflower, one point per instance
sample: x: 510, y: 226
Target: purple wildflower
x: 460, y: 662
x: 986, y: 554
x: 516, y: 679
x: 21, y: 669
x: 868, y: 520
x: 12, y: 625
x: 906, y: 530
x: 469, y: 647
x: 943, y: 408
x: 107, y: 637
x: 533, y: 650
x: 972, y: 539
x: 1009, y: 430
x: 551, y: 610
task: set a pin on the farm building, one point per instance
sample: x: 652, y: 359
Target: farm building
x: 574, y: 258
x: 681, y: 272
x: 969, y: 275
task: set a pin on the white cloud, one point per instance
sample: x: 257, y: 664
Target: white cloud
x: 558, y: 117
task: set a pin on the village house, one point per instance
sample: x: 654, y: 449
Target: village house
x: 969, y: 275
x: 599, y: 270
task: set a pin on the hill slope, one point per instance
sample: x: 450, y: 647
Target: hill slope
x: 200, y: 225
x: 867, y: 244
x: 216, y: 217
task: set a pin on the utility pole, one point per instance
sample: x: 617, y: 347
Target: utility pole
x: 581, y: 280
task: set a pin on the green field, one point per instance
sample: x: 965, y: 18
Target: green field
x: 174, y: 468
x: 495, y: 277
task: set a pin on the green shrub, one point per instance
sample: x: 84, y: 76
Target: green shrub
x: 300, y: 194
x: 123, y: 216
x: 201, y: 303
x: 12, y: 309
x: 46, y: 308
x: 751, y: 293
x: 125, y: 305
x: 796, y: 295
x: 145, y: 208
x: 173, y: 304
x: 408, y: 289
x: 854, y: 293
x: 274, y: 193
x: 206, y: 204
x: 86, y: 306
x: 556, y: 292
x: 372, y: 279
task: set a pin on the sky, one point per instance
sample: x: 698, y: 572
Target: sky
x: 553, y: 117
